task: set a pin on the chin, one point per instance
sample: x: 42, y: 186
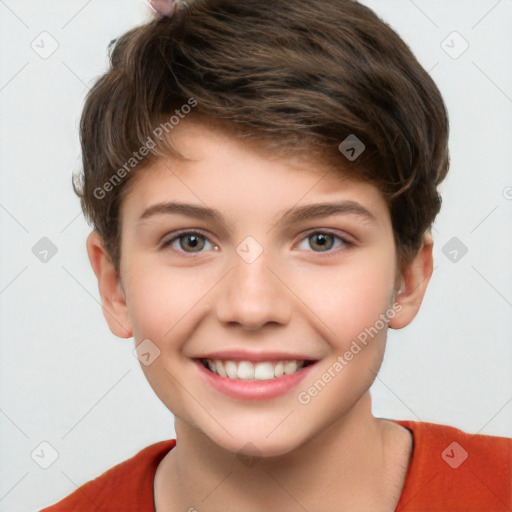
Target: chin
x: 257, y: 446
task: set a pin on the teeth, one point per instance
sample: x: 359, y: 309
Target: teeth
x: 264, y: 371
x: 231, y: 369
x: 219, y: 367
x: 290, y: 367
x: 246, y: 370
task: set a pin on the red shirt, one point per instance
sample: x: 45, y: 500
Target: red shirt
x: 449, y: 470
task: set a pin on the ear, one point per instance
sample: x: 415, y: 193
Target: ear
x: 113, y: 299
x: 415, y: 280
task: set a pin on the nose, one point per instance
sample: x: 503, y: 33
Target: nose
x: 253, y: 295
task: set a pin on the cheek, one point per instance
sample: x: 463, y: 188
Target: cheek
x: 165, y: 306
x: 349, y: 298
x: 163, y: 302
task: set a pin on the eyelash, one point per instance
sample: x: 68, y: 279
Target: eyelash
x: 345, y: 242
x: 179, y: 234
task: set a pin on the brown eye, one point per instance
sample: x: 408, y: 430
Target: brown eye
x: 324, y: 241
x: 321, y: 241
x: 191, y: 242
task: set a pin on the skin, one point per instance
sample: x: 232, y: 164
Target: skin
x: 295, y: 298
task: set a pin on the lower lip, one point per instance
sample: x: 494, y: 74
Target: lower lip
x: 253, y: 389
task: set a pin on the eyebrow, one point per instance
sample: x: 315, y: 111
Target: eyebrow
x: 190, y: 210
x: 288, y: 217
x: 314, y: 211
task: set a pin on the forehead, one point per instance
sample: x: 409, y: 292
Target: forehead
x: 213, y: 164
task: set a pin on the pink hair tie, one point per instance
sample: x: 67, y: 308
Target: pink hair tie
x: 162, y: 8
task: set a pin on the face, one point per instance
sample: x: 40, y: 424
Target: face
x: 256, y: 266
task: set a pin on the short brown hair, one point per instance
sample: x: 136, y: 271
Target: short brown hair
x: 286, y: 73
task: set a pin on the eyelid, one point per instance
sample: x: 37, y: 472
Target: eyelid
x: 346, y: 241
x: 326, y: 231
x: 169, y: 238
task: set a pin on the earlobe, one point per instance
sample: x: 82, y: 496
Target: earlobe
x: 113, y: 299
x: 415, y: 280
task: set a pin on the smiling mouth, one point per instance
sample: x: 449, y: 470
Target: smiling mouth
x: 247, y: 370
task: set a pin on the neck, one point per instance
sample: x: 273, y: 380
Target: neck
x: 346, y: 466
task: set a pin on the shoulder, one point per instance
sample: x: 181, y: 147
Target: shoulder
x: 453, y: 470
x: 128, y: 486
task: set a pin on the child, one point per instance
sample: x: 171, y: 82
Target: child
x: 297, y: 146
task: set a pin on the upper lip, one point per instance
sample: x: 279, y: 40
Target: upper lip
x: 244, y: 355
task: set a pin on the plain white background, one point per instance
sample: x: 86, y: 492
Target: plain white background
x: 67, y: 381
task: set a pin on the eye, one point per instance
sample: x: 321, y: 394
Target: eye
x: 321, y: 241
x: 189, y: 242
